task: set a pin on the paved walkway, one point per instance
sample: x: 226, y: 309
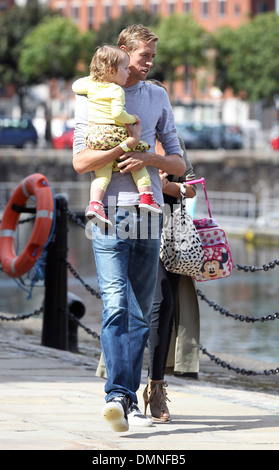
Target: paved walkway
x: 51, y: 400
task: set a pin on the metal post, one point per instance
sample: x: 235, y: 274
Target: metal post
x: 77, y: 308
x: 55, y: 321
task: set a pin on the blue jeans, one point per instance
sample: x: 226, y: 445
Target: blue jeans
x: 127, y: 268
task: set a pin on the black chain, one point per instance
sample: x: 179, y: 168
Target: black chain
x: 212, y: 357
x: 88, y: 330
x: 242, y: 371
x: 242, y: 318
x: 74, y: 217
x: 22, y: 316
x: 74, y: 272
x: 77, y: 276
x: 264, y: 267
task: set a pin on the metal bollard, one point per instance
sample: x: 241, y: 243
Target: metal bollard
x: 77, y: 308
x: 55, y: 321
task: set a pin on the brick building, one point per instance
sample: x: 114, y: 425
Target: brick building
x: 210, y: 14
x: 199, y: 97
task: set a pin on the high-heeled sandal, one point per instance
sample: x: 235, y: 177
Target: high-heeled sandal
x: 155, y: 396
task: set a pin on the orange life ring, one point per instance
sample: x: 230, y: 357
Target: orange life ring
x: 34, y: 185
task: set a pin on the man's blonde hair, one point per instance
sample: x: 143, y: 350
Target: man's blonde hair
x: 105, y: 60
x: 130, y: 36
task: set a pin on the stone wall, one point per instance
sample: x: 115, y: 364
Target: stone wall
x: 241, y: 171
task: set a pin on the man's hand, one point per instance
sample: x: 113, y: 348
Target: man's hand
x: 134, y: 133
x: 132, y: 161
x: 137, y: 119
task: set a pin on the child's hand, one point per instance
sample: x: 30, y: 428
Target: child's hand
x: 137, y: 121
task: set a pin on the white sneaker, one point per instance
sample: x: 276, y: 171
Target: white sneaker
x: 137, y: 418
x: 115, y: 413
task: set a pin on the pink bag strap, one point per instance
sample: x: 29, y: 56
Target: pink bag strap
x: 202, y: 181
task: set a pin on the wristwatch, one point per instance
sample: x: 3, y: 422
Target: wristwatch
x: 124, y: 147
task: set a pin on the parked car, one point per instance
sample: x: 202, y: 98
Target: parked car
x: 64, y: 140
x: 206, y: 136
x: 19, y: 133
x: 231, y: 137
x: 193, y: 135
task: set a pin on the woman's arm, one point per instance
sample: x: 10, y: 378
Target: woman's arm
x: 173, y: 189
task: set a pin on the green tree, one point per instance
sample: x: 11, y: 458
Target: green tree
x: 247, y: 59
x: 181, y: 42
x: 224, y: 42
x: 108, y: 32
x: 15, y: 24
x: 53, y: 49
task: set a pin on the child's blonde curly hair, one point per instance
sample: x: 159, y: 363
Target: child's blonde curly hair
x: 105, y: 60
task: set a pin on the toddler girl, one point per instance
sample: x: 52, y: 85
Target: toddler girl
x: 109, y: 71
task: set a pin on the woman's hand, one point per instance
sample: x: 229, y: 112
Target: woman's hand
x: 168, y: 187
x: 165, y: 181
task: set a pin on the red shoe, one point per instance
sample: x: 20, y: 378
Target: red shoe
x: 147, y: 202
x: 95, y: 211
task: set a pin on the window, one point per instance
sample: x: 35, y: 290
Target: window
x: 107, y: 12
x: 204, y: 7
x: 171, y: 6
x: 75, y: 13
x: 222, y: 7
x: 90, y: 16
x: 60, y: 8
x: 154, y: 7
x: 123, y: 7
x: 187, y: 6
x: 237, y: 9
x: 138, y: 5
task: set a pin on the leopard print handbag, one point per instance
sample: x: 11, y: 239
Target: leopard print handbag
x: 181, y: 248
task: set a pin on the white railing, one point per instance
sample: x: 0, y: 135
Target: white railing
x: 268, y: 209
x: 77, y: 192
x: 231, y: 206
